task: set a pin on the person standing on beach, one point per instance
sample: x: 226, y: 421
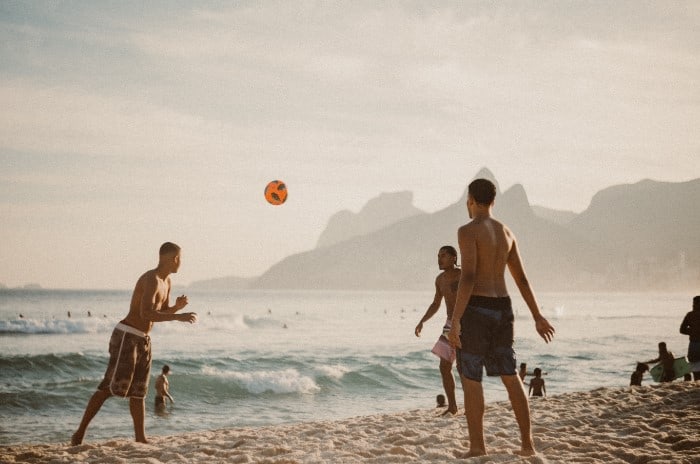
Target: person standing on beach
x: 691, y: 327
x: 129, y: 365
x: 163, y: 389
x: 482, y: 321
x: 446, y: 284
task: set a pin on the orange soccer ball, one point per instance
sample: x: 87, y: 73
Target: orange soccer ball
x: 276, y: 192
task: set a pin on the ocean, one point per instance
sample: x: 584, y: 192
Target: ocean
x: 272, y: 357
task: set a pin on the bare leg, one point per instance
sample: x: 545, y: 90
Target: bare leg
x: 137, y: 406
x: 448, y: 382
x: 474, y: 405
x: 521, y: 408
x: 94, y: 404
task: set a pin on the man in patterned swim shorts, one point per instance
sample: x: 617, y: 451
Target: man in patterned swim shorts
x: 129, y: 367
x: 482, y: 321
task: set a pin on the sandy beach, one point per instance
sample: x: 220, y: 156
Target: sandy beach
x: 648, y: 424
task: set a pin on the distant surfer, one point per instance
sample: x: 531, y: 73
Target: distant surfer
x: 163, y: 389
x: 691, y: 327
x: 666, y: 359
x: 129, y: 367
x: 482, y: 321
x: 446, y: 284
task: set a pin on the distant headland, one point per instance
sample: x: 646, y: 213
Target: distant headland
x: 638, y: 236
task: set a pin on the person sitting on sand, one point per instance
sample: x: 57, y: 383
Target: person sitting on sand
x: 537, y: 384
x: 162, y: 389
x: 666, y: 359
x: 638, y: 374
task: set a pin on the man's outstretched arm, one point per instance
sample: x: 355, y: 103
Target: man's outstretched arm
x: 515, y: 266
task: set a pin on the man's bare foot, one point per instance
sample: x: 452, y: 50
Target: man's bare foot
x: 449, y: 411
x: 476, y: 452
x: 76, y: 439
x: 526, y: 452
x: 142, y: 440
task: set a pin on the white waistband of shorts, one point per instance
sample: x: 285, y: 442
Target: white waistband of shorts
x: 131, y: 330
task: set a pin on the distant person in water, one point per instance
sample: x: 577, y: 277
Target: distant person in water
x: 691, y: 327
x: 638, y: 374
x: 440, y: 401
x: 666, y: 359
x: 537, y: 387
x: 445, y: 287
x: 129, y: 365
x: 482, y: 321
x: 522, y: 372
x: 163, y: 389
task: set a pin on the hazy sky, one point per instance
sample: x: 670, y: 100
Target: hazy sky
x: 126, y: 124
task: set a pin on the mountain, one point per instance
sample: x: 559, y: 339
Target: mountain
x: 641, y: 236
x: 554, y: 215
x: 378, y: 213
x: 403, y: 254
x: 653, y: 229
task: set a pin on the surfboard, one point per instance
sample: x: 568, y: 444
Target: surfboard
x: 680, y: 366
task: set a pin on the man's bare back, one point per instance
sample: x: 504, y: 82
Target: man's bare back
x: 492, y: 243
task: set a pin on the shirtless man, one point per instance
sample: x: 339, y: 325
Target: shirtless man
x: 482, y: 321
x: 163, y: 389
x: 129, y: 365
x: 445, y: 287
x: 691, y: 327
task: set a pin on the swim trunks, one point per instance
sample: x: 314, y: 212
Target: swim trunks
x: 694, y: 352
x: 442, y: 348
x: 129, y: 368
x: 487, y: 338
x: 160, y: 401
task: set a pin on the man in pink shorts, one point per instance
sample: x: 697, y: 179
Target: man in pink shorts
x: 446, y: 285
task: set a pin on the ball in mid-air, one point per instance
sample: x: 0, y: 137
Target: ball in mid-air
x: 276, y: 192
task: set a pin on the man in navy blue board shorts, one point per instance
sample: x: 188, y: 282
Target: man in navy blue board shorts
x: 482, y: 321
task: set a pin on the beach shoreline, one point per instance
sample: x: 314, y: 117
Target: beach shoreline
x: 653, y: 423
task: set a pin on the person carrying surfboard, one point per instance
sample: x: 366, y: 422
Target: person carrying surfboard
x: 666, y: 359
